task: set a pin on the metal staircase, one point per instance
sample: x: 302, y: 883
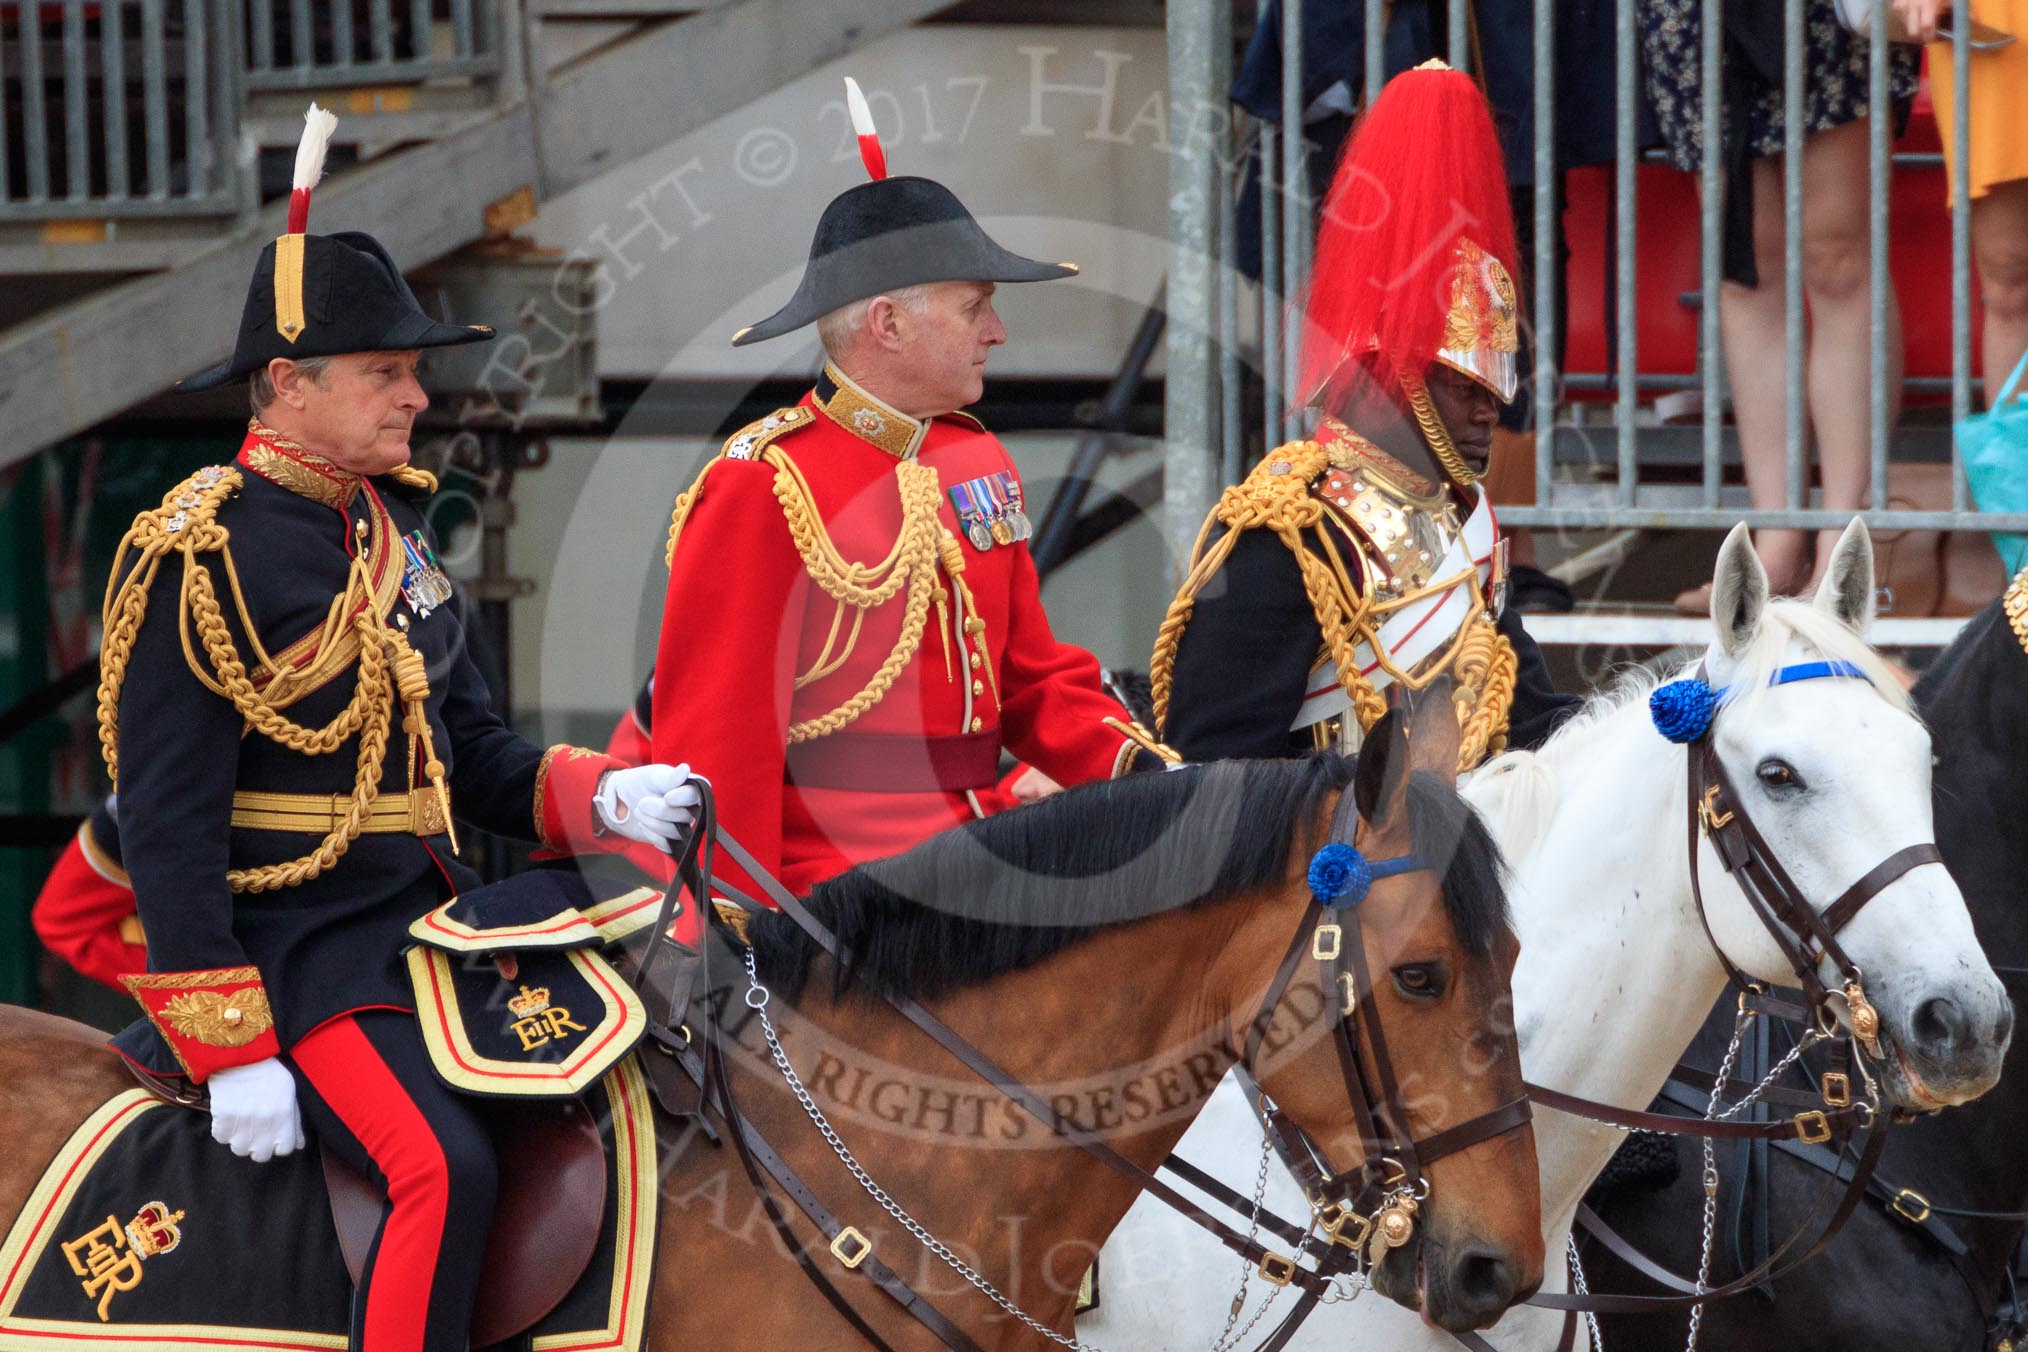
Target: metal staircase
x: 131, y: 132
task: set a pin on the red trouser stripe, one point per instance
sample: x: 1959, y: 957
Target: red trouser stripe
x: 357, y: 1085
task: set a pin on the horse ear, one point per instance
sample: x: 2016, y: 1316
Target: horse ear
x: 1738, y: 591
x: 1846, y: 593
x: 1433, y: 731
x: 1383, y: 761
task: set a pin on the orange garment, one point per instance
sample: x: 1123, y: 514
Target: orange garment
x: 1999, y: 99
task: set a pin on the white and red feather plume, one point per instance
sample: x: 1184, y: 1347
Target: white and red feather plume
x: 318, y: 124
x: 863, y: 128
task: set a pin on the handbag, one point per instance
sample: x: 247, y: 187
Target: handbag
x: 1995, y: 449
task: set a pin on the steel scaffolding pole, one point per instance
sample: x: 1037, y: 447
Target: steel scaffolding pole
x: 1191, y: 419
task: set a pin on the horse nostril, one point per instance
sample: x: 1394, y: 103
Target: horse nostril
x: 1940, y: 1025
x: 1486, y: 1282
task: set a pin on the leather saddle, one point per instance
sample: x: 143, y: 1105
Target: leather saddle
x: 545, y: 1224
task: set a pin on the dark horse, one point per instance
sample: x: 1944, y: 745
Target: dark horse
x: 1108, y: 947
x: 1881, y: 1284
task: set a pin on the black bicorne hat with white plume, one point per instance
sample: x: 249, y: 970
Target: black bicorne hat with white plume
x: 891, y: 233
x: 323, y: 295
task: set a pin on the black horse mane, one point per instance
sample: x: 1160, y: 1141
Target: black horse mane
x: 965, y: 906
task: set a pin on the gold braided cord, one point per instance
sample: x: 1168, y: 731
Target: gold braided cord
x: 1483, y: 672
x: 193, y: 530
x: 910, y: 564
x: 414, y: 477
x: 1437, y: 435
x: 1480, y: 661
x: 1275, y: 496
x: 2015, y: 603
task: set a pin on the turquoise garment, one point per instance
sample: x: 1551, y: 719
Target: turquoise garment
x: 1995, y: 448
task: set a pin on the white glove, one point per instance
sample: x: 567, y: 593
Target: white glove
x: 253, y: 1110
x: 653, y: 804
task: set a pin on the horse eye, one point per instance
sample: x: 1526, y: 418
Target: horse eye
x: 1778, y: 774
x: 1419, y: 980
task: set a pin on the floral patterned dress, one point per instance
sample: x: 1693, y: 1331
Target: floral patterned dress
x: 1835, y: 82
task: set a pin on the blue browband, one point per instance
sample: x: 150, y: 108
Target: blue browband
x: 1683, y: 710
x: 1340, y: 876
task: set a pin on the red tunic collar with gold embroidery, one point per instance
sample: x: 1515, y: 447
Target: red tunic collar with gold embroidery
x: 279, y: 460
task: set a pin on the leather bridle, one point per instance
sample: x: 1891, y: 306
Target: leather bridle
x: 1374, y: 1202
x: 1806, y: 937
x: 1358, y: 1211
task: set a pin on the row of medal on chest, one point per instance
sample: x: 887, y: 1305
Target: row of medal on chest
x: 990, y: 508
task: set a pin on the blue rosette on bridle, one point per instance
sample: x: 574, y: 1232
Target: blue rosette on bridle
x: 1682, y: 710
x: 1340, y: 876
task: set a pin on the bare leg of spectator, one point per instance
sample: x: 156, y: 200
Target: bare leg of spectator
x: 2000, y: 246
x: 1835, y: 282
x: 1751, y: 325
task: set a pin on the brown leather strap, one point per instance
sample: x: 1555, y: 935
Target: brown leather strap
x: 1876, y: 880
x: 883, y: 762
x: 753, y: 1149
x: 1023, y: 1097
x: 1634, y: 1119
x: 1769, y: 1270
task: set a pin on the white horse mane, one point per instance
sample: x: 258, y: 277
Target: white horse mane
x: 1517, y: 792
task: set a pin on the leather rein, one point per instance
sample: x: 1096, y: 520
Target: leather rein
x: 1357, y: 1212
x: 1807, y: 938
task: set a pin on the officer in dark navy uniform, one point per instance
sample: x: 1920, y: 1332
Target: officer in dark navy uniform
x: 294, y: 726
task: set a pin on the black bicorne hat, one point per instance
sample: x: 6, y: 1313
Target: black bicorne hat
x: 324, y: 295
x: 891, y: 233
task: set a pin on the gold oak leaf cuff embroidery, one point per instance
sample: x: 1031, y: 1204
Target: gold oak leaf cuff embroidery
x: 217, y: 1019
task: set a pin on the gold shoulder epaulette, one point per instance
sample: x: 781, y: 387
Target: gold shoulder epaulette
x: 749, y: 441
x: 187, y: 518
x: 1275, y: 488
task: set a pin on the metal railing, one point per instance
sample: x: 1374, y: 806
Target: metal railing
x: 1255, y: 332
x: 120, y: 108
x: 295, y: 44
x: 133, y: 108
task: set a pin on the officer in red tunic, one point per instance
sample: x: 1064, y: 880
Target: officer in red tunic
x: 853, y: 629
x: 294, y: 726
x: 85, y: 912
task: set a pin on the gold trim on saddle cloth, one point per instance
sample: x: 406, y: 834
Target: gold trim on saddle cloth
x: 33, y: 1242
x: 635, y: 1173
x: 600, y: 1037
x: 420, y: 813
x: 617, y: 917
x: 568, y: 928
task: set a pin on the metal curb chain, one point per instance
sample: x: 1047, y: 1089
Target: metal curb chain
x: 1710, y: 1178
x: 1578, y: 1284
x: 1227, y: 1339
x: 757, y: 997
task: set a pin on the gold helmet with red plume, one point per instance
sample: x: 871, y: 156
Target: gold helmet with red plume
x: 1415, y: 246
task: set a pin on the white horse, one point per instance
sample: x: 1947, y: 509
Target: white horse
x: 1616, y: 973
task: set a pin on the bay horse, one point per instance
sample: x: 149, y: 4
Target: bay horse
x: 1882, y: 1282
x: 1109, y: 947
x: 1616, y: 970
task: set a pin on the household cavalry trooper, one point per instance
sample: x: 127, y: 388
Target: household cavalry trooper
x: 293, y: 725
x: 1366, y: 557
x: 853, y: 629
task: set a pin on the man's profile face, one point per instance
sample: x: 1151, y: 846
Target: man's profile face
x: 1469, y: 412
x: 945, y: 346
x: 360, y: 413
